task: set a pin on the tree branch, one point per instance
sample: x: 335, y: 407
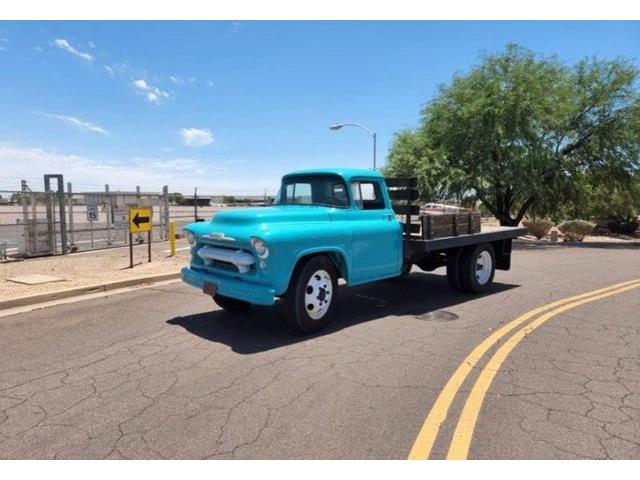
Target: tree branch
x: 523, y: 209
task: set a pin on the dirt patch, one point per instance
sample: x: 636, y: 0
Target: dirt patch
x: 90, y: 268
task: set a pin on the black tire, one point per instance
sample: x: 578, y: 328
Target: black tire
x: 300, y: 314
x: 470, y: 279
x: 231, y: 304
x: 453, y: 269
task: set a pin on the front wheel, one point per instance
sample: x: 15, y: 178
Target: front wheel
x: 477, y: 268
x: 231, y: 304
x: 311, y: 298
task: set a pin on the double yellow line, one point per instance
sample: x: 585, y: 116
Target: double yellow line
x: 459, y: 446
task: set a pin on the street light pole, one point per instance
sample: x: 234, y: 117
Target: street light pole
x: 374, y: 150
x: 338, y: 126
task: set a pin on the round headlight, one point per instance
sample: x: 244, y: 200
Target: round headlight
x: 191, y: 238
x: 260, y: 247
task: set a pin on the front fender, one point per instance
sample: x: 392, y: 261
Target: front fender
x: 288, y: 245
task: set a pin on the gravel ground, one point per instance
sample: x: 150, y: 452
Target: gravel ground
x: 90, y: 268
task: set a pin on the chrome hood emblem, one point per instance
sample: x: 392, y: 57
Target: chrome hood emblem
x: 219, y: 236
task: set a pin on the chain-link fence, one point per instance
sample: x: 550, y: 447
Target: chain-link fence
x: 63, y: 221
x: 29, y: 223
x: 52, y: 222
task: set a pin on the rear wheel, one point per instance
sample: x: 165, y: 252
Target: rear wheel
x: 477, y: 268
x: 311, y: 298
x: 231, y: 304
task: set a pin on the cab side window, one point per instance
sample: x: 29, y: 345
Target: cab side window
x: 367, y: 195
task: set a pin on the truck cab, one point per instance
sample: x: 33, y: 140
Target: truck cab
x: 325, y: 224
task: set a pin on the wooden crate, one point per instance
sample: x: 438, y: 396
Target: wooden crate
x: 438, y: 225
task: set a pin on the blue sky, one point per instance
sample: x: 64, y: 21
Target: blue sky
x: 231, y: 106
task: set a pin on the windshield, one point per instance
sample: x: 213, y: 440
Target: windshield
x: 322, y: 190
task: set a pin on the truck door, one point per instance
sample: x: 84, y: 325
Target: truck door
x: 376, y: 248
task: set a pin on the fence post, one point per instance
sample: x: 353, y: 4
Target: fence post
x: 109, y: 210
x: 63, y: 222
x: 25, y: 206
x: 165, y: 213
x: 51, y: 221
x: 195, y: 204
x: 26, y: 233
x: 72, y: 236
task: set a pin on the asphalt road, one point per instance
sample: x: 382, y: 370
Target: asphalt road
x: 162, y: 373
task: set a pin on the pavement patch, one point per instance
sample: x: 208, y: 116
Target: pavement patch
x: 35, y: 279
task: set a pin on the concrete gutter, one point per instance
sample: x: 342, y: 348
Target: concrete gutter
x: 76, y: 291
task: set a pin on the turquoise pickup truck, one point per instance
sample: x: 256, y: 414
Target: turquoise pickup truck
x: 327, y: 224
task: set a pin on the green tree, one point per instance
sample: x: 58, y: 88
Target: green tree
x: 521, y: 129
x: 412, y: 156
x: 176, y: 198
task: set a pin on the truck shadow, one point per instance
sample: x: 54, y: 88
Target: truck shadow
x: 264, y: 328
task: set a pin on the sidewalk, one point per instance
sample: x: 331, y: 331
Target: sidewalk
x: 91, y: 268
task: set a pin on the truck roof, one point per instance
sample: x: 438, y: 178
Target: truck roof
x: 346, y: 173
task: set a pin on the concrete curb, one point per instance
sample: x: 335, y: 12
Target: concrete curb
x: 73, y: 292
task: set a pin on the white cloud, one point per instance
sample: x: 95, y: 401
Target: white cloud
x: 65, y: 45
x: 181, y: 80
x: 210, y: 83
x: 76, y: 122
x: 86, y: 173
x: 196, y: 137
x: 151, y: 93
x: 109, y: 70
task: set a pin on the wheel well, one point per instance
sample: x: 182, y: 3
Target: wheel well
x: 336, y: 257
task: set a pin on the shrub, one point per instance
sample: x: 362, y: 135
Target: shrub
x: 623, y: 226
x: 576, y: 229
x: 538, y: 227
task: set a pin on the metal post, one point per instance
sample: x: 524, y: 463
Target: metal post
x: 25, y: 206
x: 26, y: 231
x: 109, y: 212
x: 51, y: 212
x: 130, y: 250
x: 172, y: 238
x: 149, y: 244
x: 72, y: 237
x: 374, y: 150
x: 91, y: 231
x: 165, y: 213
x: 195, y: 203
x: 51, y: 236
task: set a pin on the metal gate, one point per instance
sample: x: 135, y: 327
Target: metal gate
x: 57, y: 222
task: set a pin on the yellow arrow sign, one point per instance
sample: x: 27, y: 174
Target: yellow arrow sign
x: 140, y: 220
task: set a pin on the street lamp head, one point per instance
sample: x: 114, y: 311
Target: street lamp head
x: 336, y: 126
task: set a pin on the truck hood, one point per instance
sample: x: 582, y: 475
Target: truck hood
x: 276, y: 214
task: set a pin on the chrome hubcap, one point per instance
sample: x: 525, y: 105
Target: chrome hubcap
x: 484, y: 265
x: 318, y: 294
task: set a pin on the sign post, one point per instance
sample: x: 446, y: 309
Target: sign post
x: 140, y: 220
x: 92, y: 216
